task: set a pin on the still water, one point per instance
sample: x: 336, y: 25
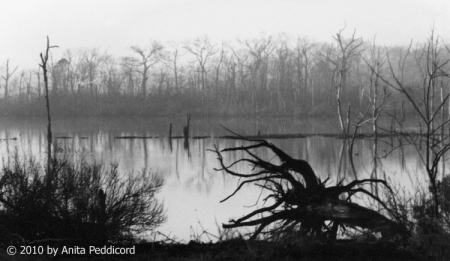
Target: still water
x: 192, y: 188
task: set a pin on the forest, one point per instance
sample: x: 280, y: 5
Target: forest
x: 277, y: 75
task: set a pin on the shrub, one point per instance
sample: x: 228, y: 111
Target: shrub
x: 67, y: 202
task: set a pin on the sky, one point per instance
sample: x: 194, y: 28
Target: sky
x: 115, y: 25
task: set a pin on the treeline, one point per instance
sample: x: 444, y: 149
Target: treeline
x: 270, y: 75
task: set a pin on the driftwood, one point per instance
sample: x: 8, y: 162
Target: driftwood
x: 302, y: 202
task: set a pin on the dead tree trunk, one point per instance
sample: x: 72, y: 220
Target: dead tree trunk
x: 44, y: 60
x: 302, y: 202
x: 6, y: 78
x: 186, y: 132
x: 170, y: 137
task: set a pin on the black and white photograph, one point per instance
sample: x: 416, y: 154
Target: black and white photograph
x: 225, y: 130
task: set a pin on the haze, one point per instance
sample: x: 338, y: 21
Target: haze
x: 114, y: 25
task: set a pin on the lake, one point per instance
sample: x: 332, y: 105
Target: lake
x: 192, y: 189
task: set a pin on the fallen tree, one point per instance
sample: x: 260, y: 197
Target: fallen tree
x: 301, y: 201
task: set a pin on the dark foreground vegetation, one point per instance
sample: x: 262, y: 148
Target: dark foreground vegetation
x: 75, y: 202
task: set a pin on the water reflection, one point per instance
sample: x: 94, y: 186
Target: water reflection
x: 193, y: 189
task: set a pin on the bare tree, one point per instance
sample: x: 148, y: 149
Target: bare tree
x: 38, y: 74
x: 21, y: 80
x: 340, y: 58
x: 241, y: 58
x: 110, y: 76
x: 230, y: 79
x: 28, y: 86
x: 71, y: 72
x: 59, y: 73
x: 303, y: 61
x: 283, y: 90
x: 43, y: 65
x: 432, y: 66
x: 202, y: 49
x: 89, y: 64
x: 259, y: 50
x: 149, y: 57
x: 217, y: 67
x: 128, y: 64
x: 7, y: 77
x: 375, y: 63
x: 171, y: 60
